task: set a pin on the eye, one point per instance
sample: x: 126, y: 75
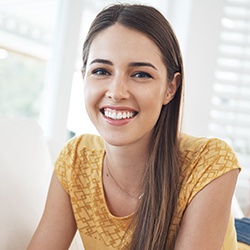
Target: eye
x: 142, y: 75
x: 100, y: 72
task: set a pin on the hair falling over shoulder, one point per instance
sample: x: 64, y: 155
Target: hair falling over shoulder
x: 151, y: 222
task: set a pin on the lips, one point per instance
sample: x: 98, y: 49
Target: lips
x: 118, y: 114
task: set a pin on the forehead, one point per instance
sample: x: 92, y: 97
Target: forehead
x: 118, y: 40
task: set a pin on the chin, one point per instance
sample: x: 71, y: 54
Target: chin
x: 122, y: 139
x: 117, y: 140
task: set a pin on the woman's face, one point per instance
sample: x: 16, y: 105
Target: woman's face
x: 125, y: 85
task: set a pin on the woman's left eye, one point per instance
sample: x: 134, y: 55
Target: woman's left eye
x: 142, y: 75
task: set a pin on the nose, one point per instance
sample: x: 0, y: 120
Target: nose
x: 118, y: 90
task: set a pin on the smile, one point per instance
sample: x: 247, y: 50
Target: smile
x: 118, y: 114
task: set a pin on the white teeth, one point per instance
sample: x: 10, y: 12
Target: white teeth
x: 118, y: 115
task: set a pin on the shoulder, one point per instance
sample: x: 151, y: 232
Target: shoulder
x: 196, y: 144
x: 203, y: 160
x: 208, y: 149
x: 79, y: 147
x: 79, y: 154
x: 85, y: 141
x: 201, y: 157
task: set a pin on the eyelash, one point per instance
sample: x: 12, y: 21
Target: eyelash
x: 100, y: 72
x: 104, y: 72
x: 142, y: 75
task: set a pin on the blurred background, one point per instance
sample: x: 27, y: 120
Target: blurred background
x: 40, y: 63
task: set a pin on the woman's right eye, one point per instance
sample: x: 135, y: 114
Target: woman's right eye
x: 100, y: 72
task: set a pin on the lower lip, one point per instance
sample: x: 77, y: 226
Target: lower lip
x: 117, y: 122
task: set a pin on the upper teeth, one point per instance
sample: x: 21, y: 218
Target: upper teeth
x: 117, y: 115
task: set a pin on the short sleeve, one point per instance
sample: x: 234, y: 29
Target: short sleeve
x: 214, y: 159
x: 65, y: 162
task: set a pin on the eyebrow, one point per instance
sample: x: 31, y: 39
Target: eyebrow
x: 102, y: 61
x: 142, y: 64
x: 132, y: 64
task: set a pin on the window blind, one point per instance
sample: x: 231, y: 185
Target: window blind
x: 230, y: 105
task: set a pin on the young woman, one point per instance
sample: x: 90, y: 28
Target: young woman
x: 141, y: 184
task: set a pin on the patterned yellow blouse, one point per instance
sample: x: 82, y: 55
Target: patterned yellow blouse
x: 79, y: 169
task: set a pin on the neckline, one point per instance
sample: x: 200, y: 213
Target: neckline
x: 101, y: 169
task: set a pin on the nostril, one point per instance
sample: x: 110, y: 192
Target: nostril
x: 117, y: 94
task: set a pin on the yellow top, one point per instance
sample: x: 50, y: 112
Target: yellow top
x: 79, y: 169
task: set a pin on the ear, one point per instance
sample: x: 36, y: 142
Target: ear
x: 172, y: 88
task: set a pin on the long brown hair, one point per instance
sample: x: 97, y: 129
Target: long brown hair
x: 152, y: 220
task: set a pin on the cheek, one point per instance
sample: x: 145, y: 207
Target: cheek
x: 88, y: 96
x: 154, y: 99
x: 92, y: 96
x: 151, y: 105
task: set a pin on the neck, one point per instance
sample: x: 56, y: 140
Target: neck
x: 127, y: 165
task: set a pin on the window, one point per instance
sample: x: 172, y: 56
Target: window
x: 230, y: 113
x: 231, y: 100
x: 25, y: 36
x: 21, y: 82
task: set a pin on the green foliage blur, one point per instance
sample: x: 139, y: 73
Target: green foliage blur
x: 21, y: 83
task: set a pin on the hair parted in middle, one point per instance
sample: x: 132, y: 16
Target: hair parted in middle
x: 151, y: 223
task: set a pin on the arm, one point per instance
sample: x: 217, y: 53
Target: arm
x: 57, y: 226
x: 205, y: 220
